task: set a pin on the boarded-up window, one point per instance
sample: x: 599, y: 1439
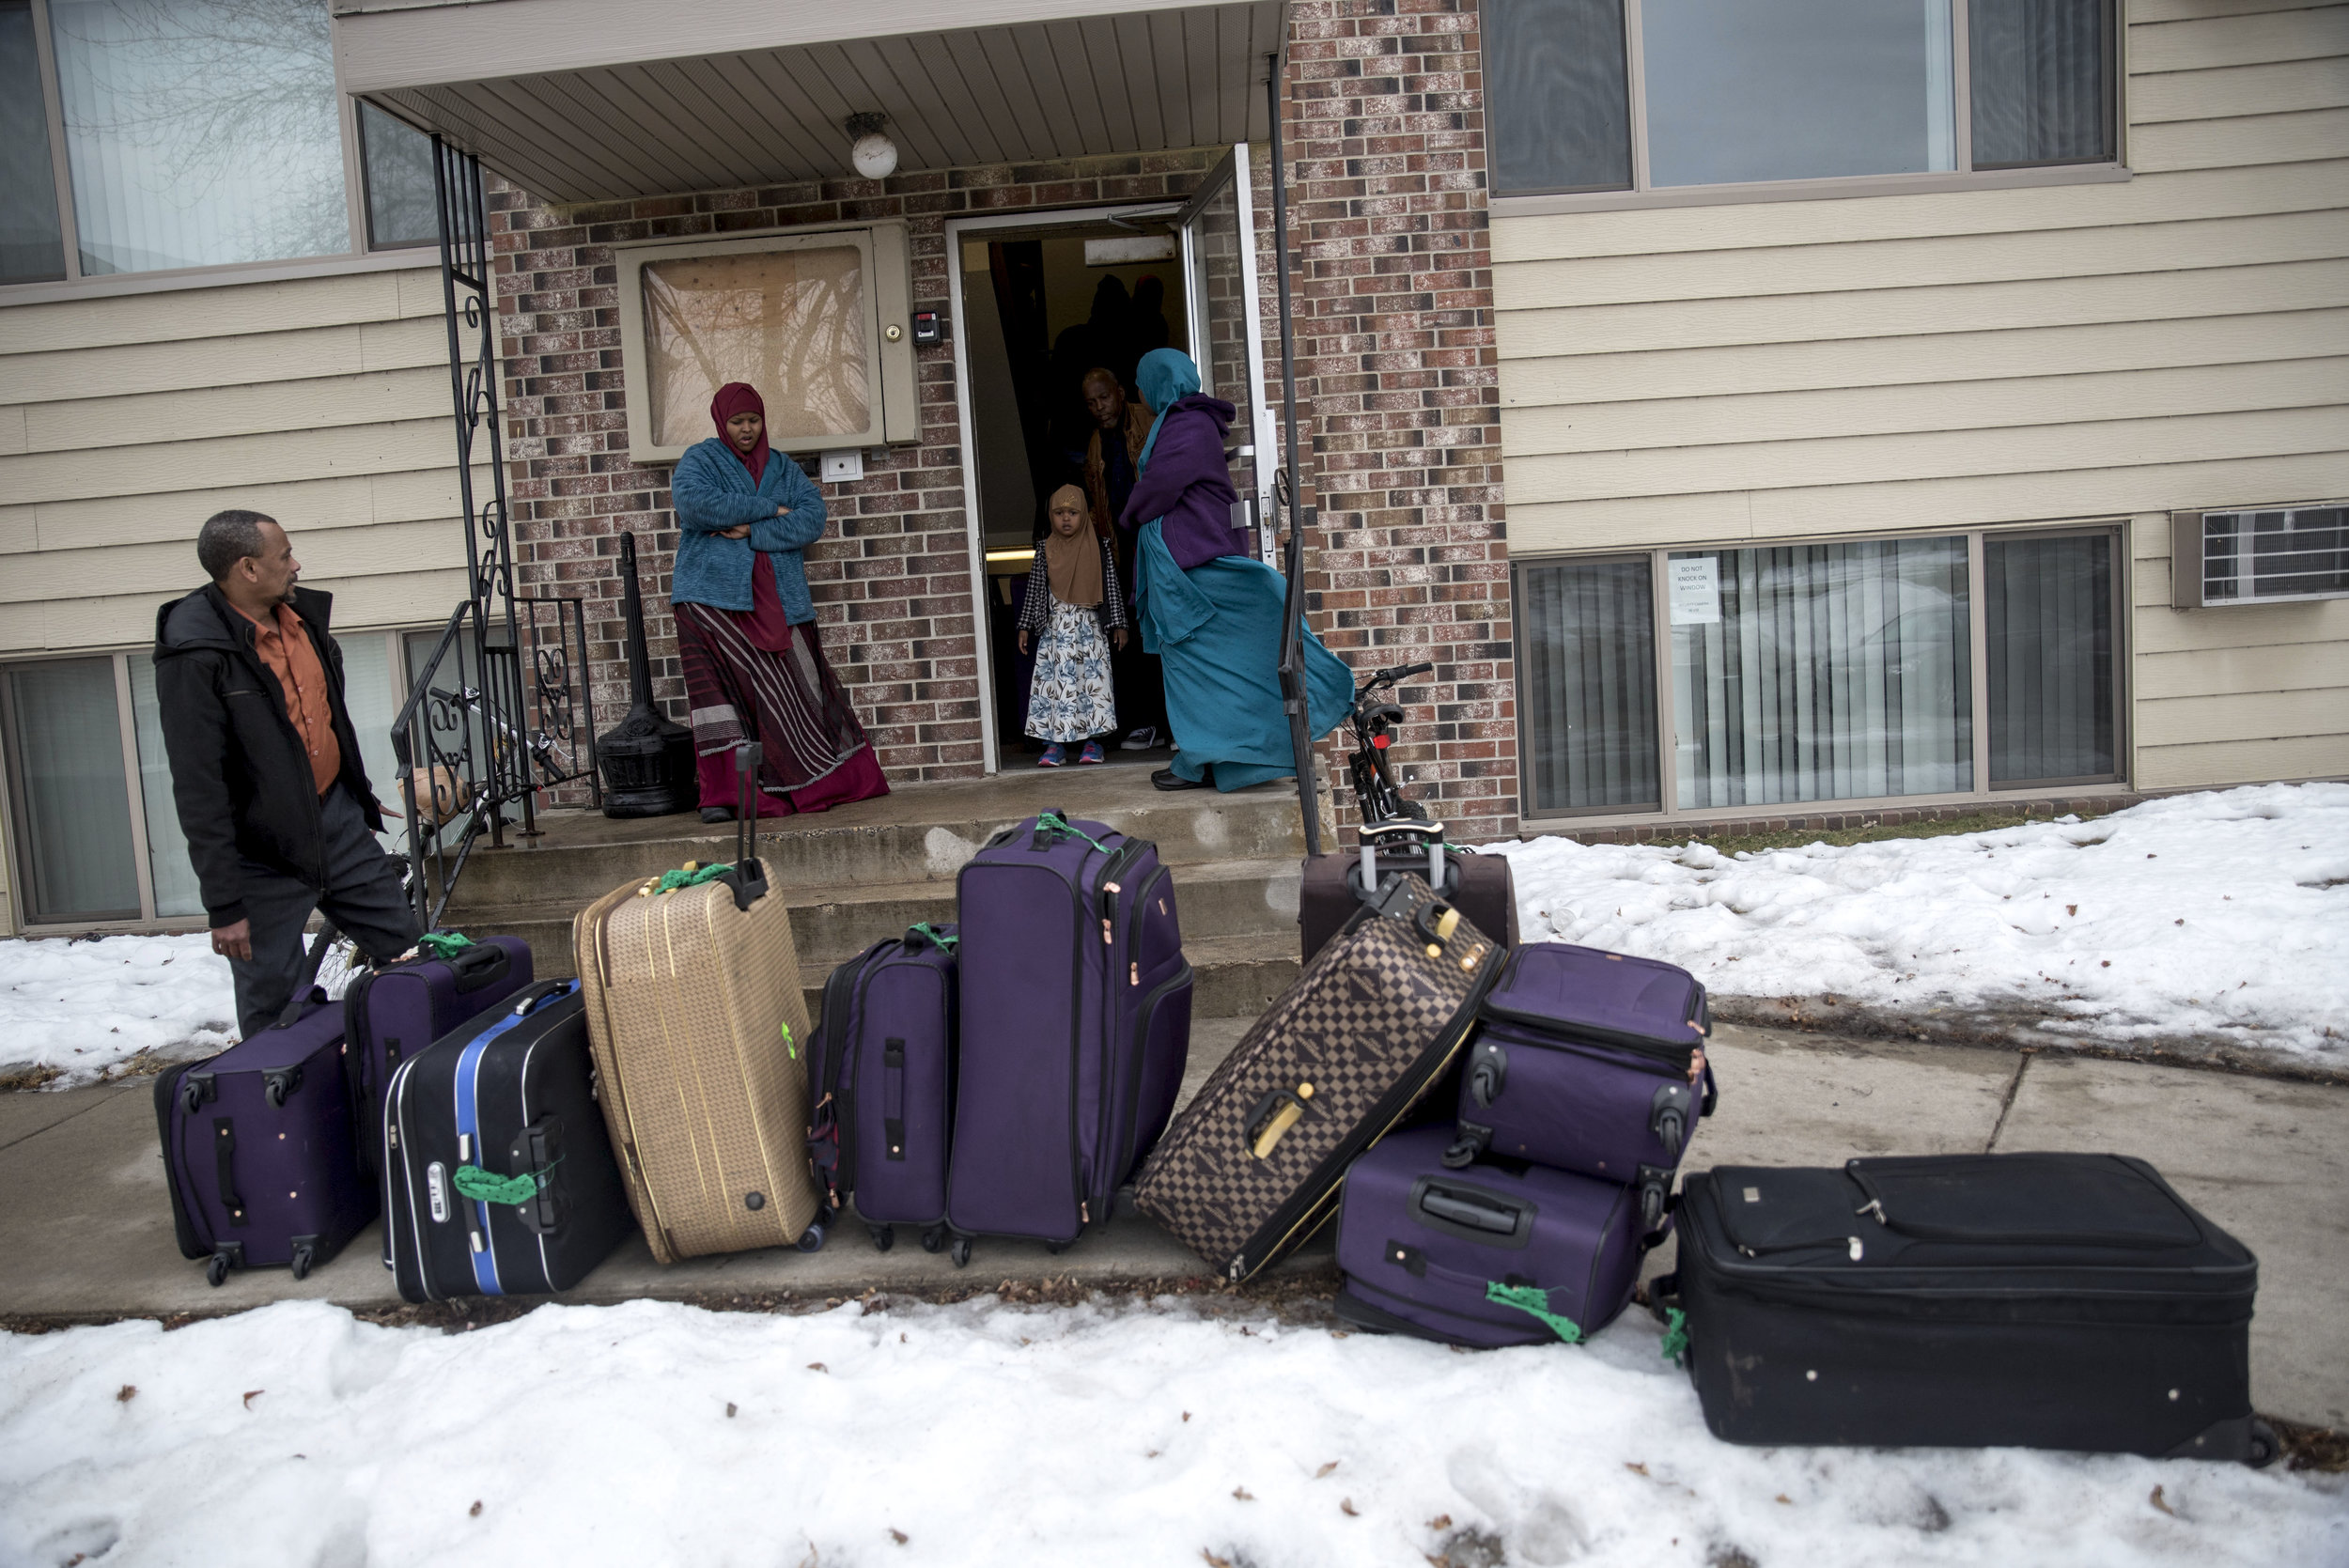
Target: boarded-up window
x: 789, y: 322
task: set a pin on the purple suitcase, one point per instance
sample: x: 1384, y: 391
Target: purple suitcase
x: 258, y: 1148
x: 391, y: 1013
x: 1076, y: 1024
x: 1587, y: 1061
x: 1501, y: 1253
x: 882, y: 1072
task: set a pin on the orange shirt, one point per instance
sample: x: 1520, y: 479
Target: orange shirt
x: 284, y: 647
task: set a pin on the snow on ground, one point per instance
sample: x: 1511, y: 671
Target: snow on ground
x: 83, y: 1007
x: 2224, y: 913
x: 653, y: 1433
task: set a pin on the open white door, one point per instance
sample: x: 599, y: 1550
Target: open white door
x: 1219, y: 230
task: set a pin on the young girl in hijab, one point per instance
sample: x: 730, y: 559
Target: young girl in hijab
x: 1073, y: 599
x: 746, y: 634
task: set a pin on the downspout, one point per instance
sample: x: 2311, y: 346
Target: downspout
x: 1293, y: 691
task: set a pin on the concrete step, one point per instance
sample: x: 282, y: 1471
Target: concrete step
x: 918, y: 833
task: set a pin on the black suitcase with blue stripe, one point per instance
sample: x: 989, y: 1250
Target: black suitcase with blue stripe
x: 498, y: 1175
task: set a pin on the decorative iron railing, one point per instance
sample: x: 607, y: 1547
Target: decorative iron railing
x: 500, y: 708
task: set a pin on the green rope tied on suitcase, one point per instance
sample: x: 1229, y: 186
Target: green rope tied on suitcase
x: 442, y: 944
x: 1675, y: 1345
x: 1531, y: 1298
x: 1062, y: 824
x: 934, y: 935
x: 687, y: 877
x: 484, y: 1187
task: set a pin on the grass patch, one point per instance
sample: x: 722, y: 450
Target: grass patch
x: 1978, y: 822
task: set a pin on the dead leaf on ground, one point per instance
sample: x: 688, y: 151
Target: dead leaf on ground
x: 474, y: 1511
x: 1441, y: 1521
x: 1635, y: 1469
x: 1213, y: 1561
x: 1150, y: 1454
x: 1787, y: 1501
x: 2157, y: 1501
x: 899, y: 1536
x: 125, y: 1395
x: 251, y: 1394
x: 1187, y: 1416
x: 729, y: 1409
x: 1345, y: 1506
x: 1243, y: 1494
x: 817, y: 1366
x: 1324, y: 1470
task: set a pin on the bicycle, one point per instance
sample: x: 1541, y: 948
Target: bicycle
x: 1375, y: 721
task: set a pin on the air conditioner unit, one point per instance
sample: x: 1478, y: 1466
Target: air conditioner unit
x: 2259, y: 555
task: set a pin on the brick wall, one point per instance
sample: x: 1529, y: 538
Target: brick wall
x: 892, y: 577
x: 1383, y: 127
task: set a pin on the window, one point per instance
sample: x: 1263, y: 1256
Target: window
x: 194, y: 134
x: 816, y: 320
x: 1843, y: 669
x: 1588, y: 664
x: 2260, y: 556
x: 1638, y: 95
x: 95, y: 829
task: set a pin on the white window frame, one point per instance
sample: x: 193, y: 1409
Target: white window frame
x: 77, y: 286
x: 1965, y: 176
x: 1984, y: 793
x: 11, y: 800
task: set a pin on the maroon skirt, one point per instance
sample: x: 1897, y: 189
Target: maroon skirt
x: 815, y: 754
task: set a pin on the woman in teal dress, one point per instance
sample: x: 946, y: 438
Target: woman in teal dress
x: 1211, y: 612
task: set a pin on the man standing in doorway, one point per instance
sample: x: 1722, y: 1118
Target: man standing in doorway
x: 1111, y: 458
x: 279, y: 816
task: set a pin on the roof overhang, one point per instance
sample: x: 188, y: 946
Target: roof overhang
x: 583, y: 101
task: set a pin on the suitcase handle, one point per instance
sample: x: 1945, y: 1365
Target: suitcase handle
x: 298, y: 1002
x: 1271, y: 1118
x: 544, y: 991
x: 1476, y: 1213
x: 746, y: 877
x: 479, y: 967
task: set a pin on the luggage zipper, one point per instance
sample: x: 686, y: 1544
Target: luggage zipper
x: 1139, y: 1045
x: 1112, y: 1155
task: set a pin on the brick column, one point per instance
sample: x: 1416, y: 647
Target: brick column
x: 1384, y: 128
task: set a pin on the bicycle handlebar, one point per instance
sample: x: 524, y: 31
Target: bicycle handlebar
x: 1400, y: 672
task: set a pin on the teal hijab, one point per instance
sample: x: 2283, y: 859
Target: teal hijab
x: 1165, y: 377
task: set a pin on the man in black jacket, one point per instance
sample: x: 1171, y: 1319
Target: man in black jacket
x: 265, y: 768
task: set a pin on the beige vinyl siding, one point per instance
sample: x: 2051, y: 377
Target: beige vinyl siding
x: 125, y: 422
x: 1989, y: 358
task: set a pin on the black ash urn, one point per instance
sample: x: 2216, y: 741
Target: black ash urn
x: 647, y: 759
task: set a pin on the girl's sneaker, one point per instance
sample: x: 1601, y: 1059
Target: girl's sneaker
x: 1056, y: 755
x: 1092, y: 752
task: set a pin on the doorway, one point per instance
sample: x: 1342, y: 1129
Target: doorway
x: 1055, y: 315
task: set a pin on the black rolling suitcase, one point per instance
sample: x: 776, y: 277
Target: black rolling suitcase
x: 2039, y: 1300
x: 498, y: 1174
x: 1479, y: 886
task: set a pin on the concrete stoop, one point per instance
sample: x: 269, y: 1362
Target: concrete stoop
x: 857, y: 874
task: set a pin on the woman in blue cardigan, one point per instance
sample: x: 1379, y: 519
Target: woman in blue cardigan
x: 746, y: 634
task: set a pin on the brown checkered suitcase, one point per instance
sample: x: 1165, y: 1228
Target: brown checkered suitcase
x: 699, y: 1035
x: 1251, y: 1166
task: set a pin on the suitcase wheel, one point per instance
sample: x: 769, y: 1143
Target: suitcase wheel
x: 812, y: 1240
x: 216, y: 1269
x: 960, y: 1251
x: 934, y: 1239
x: 304, y: 1254
x: 884, y: 1238
x: 1651, y: 1207
x: 1056, y: 1248
x: 2261, y: 1450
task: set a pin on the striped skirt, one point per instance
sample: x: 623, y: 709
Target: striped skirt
x: 815, y: 754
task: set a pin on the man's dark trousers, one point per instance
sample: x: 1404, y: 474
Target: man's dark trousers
x: 362, y: 896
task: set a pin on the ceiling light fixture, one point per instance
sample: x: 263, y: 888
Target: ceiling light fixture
x: 873, y: 153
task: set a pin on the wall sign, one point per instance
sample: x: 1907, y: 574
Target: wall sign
x: 1696, y: 590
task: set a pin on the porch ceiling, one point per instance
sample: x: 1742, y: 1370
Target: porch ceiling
x: 599, y: 99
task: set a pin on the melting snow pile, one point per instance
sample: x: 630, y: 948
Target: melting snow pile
x: 982, y: 1434
x: 2212, y: 914
x: 83, y: 1007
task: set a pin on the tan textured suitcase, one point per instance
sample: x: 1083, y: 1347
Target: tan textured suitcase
x: 699, y: 1033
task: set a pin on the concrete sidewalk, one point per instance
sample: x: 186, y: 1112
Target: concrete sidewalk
x: 85, y: 1226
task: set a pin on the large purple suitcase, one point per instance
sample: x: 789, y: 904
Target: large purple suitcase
x: 881, y: 1072
x: 1501, y: 1253
x: 395, y: 1012
x: 258, y: 1148
x: 1589, y: 1061
x: 1076, y: 1024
